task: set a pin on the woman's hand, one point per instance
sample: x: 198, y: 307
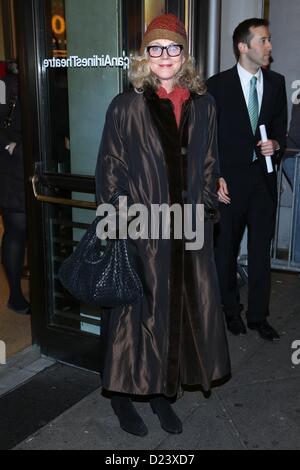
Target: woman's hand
x: 223, y: 192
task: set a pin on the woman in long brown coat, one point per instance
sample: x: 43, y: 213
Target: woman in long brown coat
x: 159, y: 147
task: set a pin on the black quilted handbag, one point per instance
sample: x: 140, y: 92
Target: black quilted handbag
x: 105, y: 278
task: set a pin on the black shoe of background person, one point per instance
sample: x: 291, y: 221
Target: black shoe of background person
x: 236, y: 326
x: 130, y: 420
x: 169, y: 421
x: 18, y: 310
x: 265, y: 330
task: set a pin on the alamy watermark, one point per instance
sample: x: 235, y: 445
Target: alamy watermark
x: 2, y: 353
x: 296, y: 93
x: 139, y: 222
x: 296, y: 353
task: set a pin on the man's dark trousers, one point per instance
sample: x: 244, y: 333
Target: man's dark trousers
x: 252, y: 206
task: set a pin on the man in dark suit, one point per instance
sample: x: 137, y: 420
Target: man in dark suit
x: 247, y: 96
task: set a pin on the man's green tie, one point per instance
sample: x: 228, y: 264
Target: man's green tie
x: 253, y: 104
x: 253, y: 108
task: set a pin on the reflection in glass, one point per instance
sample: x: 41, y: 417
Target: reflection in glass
x: 64, y: 232
x: 59, y: 97
x: 78, y: 99
x: 153, y: 9
x: 58, y: 28
x: 80, y: 94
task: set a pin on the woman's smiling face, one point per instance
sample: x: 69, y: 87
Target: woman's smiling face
x: 165, y: 67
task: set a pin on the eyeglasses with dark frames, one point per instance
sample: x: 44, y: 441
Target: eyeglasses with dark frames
x: 174, y: 50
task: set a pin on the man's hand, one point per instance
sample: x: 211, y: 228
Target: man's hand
x: 268, y: 148
x: 223, y: 192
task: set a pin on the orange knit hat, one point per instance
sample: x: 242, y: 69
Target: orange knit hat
x: 166, y: 27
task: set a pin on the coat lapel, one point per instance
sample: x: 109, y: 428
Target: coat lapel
x: 266, y: 98
x: 241, y: 103
x: 170, y: 137
x: 172, y: 140
x: 164, y: 120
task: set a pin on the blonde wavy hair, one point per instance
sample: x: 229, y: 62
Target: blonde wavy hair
x: 141, y: 76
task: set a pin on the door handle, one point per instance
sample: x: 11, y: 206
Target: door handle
x: 59, y: 200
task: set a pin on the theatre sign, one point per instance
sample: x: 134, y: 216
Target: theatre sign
x: 95, y: 61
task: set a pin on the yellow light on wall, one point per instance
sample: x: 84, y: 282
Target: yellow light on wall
x: 153, y: 9
x: 58, y: 24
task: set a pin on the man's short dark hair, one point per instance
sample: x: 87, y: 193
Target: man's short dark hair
x: 243, y: 34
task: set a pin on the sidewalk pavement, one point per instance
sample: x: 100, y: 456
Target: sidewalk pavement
x: 258, y: 409
x: 21, y: 368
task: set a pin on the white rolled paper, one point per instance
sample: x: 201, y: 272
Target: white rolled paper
x: 264, y: 138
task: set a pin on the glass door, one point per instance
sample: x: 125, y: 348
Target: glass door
x: 73, y: 58
x: 73, y: 65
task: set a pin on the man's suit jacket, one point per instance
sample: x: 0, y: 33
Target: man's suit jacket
x: 236, y: 139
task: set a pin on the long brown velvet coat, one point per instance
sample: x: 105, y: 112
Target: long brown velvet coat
x: 175, y: 335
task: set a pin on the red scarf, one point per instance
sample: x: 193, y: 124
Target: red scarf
x: 178, y: 97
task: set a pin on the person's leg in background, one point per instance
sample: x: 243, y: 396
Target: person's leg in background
x: 228, y: 236
x: 13, y: 254
x: 261, y: 219
x: 289, y: 166
x: 261, y: 225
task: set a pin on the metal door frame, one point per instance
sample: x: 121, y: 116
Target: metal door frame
x: 79, y: 349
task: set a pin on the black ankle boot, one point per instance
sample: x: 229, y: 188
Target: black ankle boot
x: 168, y: 419
x: 20, y: 306
x: 130, y: 420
